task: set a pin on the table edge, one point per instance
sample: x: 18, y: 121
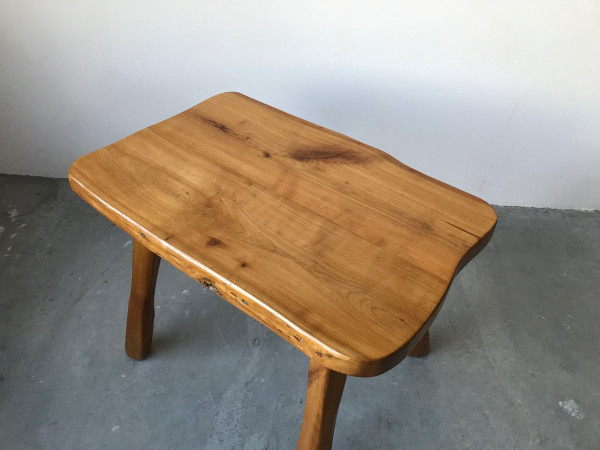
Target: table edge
x: 237, y: 296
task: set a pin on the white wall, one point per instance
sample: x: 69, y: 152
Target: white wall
x: 500, y: 98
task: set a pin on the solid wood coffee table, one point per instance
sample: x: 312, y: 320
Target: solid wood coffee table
x: 334, y: 245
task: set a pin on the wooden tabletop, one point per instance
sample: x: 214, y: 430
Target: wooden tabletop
x: 334, y: 245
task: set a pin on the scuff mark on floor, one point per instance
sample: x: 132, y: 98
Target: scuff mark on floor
x: 572, y: 408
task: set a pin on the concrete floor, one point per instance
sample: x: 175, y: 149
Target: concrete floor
x: 515, y: 359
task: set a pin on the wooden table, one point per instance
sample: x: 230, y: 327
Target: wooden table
x: 340, y: 249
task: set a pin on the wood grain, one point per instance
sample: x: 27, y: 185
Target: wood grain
x: 140, y: 314
x: 323, y: 395
x: 336, y: 246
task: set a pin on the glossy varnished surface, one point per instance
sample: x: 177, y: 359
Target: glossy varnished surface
x: 335, y: 245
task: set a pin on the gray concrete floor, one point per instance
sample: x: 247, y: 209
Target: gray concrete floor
x: 515, y: 359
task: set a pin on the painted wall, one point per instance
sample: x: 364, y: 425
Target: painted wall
x: 499, y: 98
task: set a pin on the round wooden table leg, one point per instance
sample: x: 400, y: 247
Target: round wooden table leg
x: 323, y: 395
x: 422, y: 348
x: 140, y: 315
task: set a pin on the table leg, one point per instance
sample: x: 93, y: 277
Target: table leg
x: 140, y: 315
x: 323, y: 396
x: 422, y: 348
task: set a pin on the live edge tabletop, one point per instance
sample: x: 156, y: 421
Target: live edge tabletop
x: 336, y: 246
